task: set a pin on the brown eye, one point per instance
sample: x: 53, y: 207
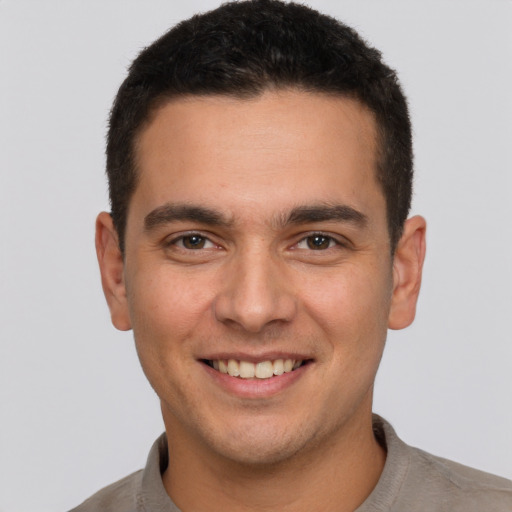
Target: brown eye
x: 318, y: 242
x: 193, y: 242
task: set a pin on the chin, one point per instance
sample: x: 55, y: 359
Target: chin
x: 260, y: 453
x: 261, y: 445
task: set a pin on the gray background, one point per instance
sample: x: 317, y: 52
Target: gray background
x: 76, y: 411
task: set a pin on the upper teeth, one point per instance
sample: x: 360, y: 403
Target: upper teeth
x: 261, y: 370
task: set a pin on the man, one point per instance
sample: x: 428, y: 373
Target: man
x: 260, y: 167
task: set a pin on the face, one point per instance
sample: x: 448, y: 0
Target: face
x: 257, y: 245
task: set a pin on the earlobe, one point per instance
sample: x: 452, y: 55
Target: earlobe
x: 111, y: 265
x: 407, y: 270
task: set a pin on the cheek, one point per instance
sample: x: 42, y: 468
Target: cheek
x: 170, y: 302
x: 167, y: 313
x: 351, y: 306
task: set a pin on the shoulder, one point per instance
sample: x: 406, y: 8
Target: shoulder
x: 119, y: 496
x: 416, y: 481
x: 460, y: 487
x: 142, y: 490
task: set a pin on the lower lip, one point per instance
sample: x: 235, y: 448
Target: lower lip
x: 256, y: 388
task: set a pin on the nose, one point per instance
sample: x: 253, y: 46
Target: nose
x: 255, y: 293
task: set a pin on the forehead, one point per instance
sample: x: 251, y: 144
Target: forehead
x: 285, y: 147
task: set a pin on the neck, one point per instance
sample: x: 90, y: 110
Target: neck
x: 337, y: 475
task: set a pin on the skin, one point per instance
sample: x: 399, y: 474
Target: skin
x: 255, y: 287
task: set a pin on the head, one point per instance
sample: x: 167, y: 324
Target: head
x: 243, y: 49
x: 259, y: 160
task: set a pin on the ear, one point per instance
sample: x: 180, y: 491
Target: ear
x: 111, y: 265
x: 407, y: 270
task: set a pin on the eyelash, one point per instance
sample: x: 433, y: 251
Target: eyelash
x: 331, y: 242
x: 179, y: 241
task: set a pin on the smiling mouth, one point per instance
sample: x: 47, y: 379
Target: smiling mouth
x: 261, y: 370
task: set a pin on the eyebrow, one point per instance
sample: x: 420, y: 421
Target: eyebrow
x: 323, y: 213
x: 170, y: 212
x: 306, y: 214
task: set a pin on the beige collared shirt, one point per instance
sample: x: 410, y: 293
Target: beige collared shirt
x: 412, y: 481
